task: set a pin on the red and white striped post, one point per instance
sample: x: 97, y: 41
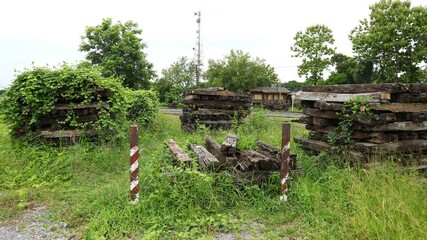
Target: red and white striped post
x: 134, y: 167
x: 284, y: 161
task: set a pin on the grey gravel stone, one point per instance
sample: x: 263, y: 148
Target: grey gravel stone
x: 33, y: 224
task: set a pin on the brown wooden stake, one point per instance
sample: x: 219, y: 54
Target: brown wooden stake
x: 134, y: 167
x: 284, y: 161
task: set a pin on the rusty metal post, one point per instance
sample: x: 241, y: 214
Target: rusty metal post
x: 134, y: 167
x: 284, y: 160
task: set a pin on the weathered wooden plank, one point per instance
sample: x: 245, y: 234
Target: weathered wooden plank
x: 323, y: 129
x: 178, y: 154
x: 259, y: 161
x: 319, y: 113
x: 374, y: 119
x: 67, y: 133
x: 328, y: 106
x: 359, y: 88
x: 399, y: 107
x: 342, y: 97
x: 314, y: 145
x: 275, y: 151
x: 93, y: 105
x: 206, y: 160
x: 229, y: 145
x: 217, y: 91
x: 375, y: 137
x: 317, y: 121
x: 405, y: 146
x: 412, y: 97
x: 398, y: 126
x: 215, y: 148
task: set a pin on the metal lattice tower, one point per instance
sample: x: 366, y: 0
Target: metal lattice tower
x: 197, y: 49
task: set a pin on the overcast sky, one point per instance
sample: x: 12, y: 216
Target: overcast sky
x: 49, y: 31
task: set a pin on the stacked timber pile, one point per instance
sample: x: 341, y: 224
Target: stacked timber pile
x: 395, y: 119
x: 246, y: 165
x: 214, y: 107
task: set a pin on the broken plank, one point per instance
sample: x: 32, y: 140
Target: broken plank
x: 206, y: 160
x: 342, y: 97
x: 177, y: 153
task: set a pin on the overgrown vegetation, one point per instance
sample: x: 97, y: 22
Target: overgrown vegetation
x: 87, y: 187
x: 35, y: 92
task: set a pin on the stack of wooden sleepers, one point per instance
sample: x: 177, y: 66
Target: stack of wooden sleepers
x: 397, y: 122
x: 213, y: 107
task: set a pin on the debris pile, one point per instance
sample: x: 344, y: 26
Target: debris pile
x: 245, y: 165
x: 213, y: 107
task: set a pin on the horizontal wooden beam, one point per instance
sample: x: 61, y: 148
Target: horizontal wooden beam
x: 399, y: 107
x: 398, y: 126
x: 362, y: 88
x: 342, y: 97
x: 67, y: 133
x: 405, y: 146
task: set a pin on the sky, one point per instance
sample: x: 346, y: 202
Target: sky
x: 48, y: 32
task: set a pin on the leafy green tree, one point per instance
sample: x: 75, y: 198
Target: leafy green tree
x: 118, y: 49
x: 394, y: 39
x: 314, y: 46
x: 179, y: 77
x: 293, y: 86
x: 240, y: 72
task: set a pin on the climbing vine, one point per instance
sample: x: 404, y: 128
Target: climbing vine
x: 341, y: 137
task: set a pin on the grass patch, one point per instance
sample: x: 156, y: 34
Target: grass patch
x: 87, y: 187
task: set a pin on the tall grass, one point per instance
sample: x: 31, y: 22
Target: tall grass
x: 88, y: 187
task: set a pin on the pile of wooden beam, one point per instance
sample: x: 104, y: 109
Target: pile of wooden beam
x: 246, y: 165
x: 213, y: 107
x: 397, y: 123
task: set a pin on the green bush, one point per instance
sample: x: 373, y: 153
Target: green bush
x: 143, y: 106
x: 35, y: 92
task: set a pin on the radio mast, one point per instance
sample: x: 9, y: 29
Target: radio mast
x: 197, y: 49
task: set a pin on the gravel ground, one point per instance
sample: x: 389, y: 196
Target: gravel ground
x: 33, y: 224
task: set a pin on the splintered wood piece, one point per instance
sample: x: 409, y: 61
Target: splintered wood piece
x: 206, y: 160
x: 177, y: 153
x: 228, y: 147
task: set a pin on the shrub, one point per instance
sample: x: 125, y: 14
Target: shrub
x: 143, y: 106
x: 35, y: 92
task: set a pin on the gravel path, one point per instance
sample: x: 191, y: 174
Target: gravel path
x: 33, y: 224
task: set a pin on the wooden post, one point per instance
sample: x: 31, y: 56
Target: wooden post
x: 134, y: 167
x: 284, y: 161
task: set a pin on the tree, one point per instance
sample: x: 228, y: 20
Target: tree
x: 293, y: 86
x: 176, y: 79
x: 240, y: 72
x: 394, y: 39
x: 117, y: 48
x: 314, y: 46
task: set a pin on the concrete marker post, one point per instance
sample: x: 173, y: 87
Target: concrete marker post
x: 285, y: 160
x: 134, y: 166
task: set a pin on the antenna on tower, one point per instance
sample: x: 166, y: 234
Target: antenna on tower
x: 197, y: 50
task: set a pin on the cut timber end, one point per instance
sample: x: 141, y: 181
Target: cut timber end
x: 228, y: 147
